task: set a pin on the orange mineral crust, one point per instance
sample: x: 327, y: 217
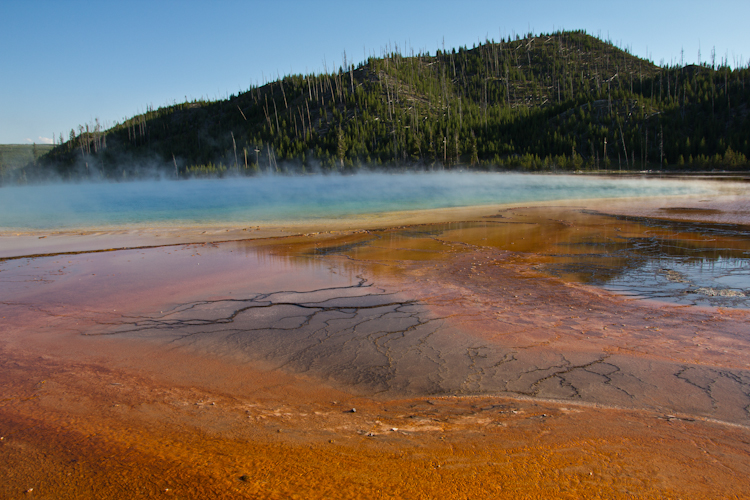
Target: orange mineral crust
x: 76, y: 430
x: 483, y: 358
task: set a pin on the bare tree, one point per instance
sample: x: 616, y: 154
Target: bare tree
x: 234, y: 147
x: 661, y: 146
x: 281, y: 83
x: 622, y: 138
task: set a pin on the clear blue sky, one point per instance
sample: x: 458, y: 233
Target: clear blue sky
x: 65, y: 63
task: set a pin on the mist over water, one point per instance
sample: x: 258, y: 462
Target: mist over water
x: 281, y: 199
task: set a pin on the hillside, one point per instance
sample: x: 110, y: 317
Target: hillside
x: 565, y: 101
x: 17, y: 156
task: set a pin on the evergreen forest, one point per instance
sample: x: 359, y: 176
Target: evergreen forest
x: 566, y: 101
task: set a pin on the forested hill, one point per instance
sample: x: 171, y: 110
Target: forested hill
x: 565, y: 101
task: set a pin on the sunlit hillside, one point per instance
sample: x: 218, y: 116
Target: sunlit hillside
x: 565, y: 101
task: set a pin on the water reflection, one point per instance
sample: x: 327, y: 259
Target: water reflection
x: 676, y: 261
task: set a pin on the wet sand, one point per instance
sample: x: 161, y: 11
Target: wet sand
x: 479, y: 359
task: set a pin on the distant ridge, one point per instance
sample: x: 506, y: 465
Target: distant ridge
x: 563, y: 101
x: 17, y: 156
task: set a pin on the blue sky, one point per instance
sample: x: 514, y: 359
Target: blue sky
x: 65, y: 63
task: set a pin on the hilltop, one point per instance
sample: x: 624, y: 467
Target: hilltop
x: 562, y: 101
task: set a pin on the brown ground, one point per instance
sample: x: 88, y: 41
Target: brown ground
x: 121, y: 376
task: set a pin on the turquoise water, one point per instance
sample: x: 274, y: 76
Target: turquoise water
x: 279, y: 199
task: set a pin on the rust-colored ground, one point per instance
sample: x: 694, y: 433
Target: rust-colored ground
x: 111, y: 386
x: 80, y: 430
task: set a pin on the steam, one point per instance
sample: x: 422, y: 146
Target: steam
x: 274, y: 198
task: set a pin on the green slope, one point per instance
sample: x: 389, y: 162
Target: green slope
x: 17, y: 156
x: 565, y: 101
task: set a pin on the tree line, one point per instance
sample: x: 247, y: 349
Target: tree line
x: 563, y: 101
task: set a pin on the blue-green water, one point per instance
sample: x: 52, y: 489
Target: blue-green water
x: 279, y: 199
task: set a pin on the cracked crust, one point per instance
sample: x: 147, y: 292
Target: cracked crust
x: 412, y: 352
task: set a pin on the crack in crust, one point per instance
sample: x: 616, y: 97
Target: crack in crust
x: 372, y: 342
